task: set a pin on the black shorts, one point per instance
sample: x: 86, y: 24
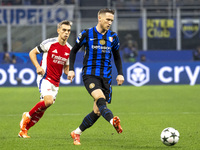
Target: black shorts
x: 95, y: 82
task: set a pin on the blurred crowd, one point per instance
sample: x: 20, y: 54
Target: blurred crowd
x: 7, y: 57
x: 196, y: 54
x: 119, y: 3
x: 34, y: 2
x: 158, y: 2
x: 129, y: 46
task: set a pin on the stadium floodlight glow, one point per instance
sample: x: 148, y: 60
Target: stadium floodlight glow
x: 138, y: 74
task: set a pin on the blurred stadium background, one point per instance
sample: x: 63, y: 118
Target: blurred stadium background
x: 164, y: 35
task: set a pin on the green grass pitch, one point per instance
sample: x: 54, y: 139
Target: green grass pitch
x: 144, y: 112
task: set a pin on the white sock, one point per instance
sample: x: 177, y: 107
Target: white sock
x: 111, y: 121
x: 78, y: 131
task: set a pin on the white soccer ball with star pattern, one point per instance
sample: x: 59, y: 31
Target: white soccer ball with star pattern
x: 170, y: 136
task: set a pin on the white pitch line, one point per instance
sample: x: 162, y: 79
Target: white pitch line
x: 161, y: 113
x: 129, y: 113
x: 68, y: 114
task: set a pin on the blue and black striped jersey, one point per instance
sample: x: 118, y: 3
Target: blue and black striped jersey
x: 98, y: 51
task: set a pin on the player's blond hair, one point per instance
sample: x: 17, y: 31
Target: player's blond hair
x: 106, y: 10
x: 66, y: 22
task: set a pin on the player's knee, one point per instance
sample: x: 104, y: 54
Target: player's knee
x: 97, y: 94
x: 96, y: 111
x: 99, y: 97
x: 48, y: 101
x: 100, y: 102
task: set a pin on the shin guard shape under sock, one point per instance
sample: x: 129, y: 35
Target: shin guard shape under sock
x: 88, y: 121
x: 35, y: 118
x: 105, y: 112
x: 39, y: 107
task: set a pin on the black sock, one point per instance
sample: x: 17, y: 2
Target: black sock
x: 105, y: 112
x: 88, y: 121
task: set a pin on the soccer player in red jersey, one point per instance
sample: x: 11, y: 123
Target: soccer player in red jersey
x: 55, y: 58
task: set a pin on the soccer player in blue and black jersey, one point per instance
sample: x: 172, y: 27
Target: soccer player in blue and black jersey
x: 99, y: 43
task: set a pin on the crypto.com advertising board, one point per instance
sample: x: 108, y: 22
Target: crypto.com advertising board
x: 136, y: 74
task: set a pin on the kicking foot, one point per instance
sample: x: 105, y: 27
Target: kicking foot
x: 23, y: 134
x: 76, y: 138
x: 116, y: 124
x: 25, y: 120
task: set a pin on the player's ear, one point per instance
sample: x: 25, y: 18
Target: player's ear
x: 99, y: 17
x: 58, y: 30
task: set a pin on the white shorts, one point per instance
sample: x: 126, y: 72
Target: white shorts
x: 46, y: 88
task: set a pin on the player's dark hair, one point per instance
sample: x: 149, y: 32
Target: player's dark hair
x: 106, y: 10
x: 66, y: 22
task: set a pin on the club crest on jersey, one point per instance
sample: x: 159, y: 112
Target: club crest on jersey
x: 92, y: 85
x: 102, y: 42
x: 111, y: 39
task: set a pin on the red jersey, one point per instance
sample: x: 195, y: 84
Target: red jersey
x: 55, y: 56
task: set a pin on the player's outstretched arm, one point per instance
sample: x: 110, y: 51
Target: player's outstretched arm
x: 118, y: 64
x: 33, y: 57
x: 66, y: 69
x: 71, y: 75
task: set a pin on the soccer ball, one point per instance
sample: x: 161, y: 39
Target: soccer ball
x: 170, y: 136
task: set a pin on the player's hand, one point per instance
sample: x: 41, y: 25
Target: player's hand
x: 40, y: 70
x: 71, y: 75
x: 120, y: 79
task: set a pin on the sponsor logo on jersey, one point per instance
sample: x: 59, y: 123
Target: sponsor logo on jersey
x: 55, y: 51
x: 59, y: 59
x: 101, y: 47
x: 93, y: 39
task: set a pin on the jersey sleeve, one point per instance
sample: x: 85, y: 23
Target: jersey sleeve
x: 45, y: 45
x: 80, y: 41
x: 67, y: 62
x: 116, y: 55
x: 70, y: 47
x: 116, y: 43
